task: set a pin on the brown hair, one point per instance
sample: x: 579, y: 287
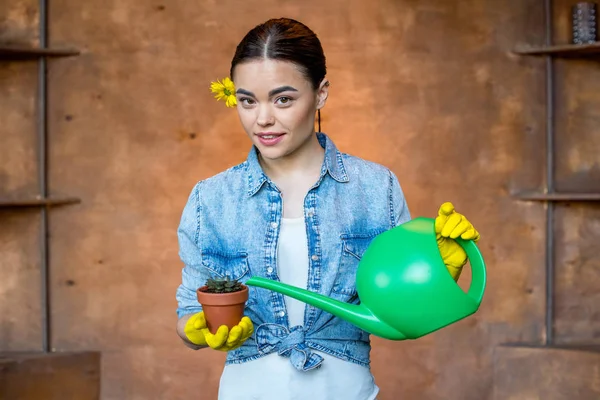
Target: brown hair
x: 287, y: 40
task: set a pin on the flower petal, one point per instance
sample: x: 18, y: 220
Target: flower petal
x: 231, y: 101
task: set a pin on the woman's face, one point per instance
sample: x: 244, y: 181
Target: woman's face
x: 276, y: 105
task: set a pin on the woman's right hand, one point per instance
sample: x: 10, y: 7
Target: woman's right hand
x: 196, y: 331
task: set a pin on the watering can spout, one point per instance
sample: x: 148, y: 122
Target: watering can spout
x: 359, y: 315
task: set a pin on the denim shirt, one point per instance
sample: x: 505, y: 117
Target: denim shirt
x: 230, y: 228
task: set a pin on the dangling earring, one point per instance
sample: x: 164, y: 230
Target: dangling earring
x: 319, y: 118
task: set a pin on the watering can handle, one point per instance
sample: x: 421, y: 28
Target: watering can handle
x: 478, y: 270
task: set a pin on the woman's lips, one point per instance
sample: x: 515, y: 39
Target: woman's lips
x: 269, y: 138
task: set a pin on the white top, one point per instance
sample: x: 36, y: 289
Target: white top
x: 273, y: 377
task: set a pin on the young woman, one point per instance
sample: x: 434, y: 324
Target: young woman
x: 296, y: 210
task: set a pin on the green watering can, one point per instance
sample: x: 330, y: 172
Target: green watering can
x: 404, y: 288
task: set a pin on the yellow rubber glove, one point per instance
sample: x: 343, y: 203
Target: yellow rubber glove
x: 448, y: 226
x: 223, y: 340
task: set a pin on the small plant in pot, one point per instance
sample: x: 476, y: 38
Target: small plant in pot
x: 223, y: 302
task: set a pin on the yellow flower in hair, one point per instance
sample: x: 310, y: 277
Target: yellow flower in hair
x: 224, y: 90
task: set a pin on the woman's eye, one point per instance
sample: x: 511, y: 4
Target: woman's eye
x: 246, y: 101
x: 284, y: 100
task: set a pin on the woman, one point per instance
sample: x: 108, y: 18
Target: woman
x: 297, y: 210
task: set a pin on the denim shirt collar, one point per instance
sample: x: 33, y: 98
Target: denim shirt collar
x: 333, y: 164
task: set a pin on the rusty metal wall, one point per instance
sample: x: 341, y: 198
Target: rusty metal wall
x: 19, y: 232
x: 577, y: 170
x: 428, y: 88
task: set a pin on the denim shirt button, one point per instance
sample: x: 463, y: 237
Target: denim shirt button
x: 273, y: 225
x: 270, y: 270
x: 282, y: 313
x: 315, y: 257
x: 310, y: 213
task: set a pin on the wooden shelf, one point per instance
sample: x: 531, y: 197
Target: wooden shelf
x: 544, y: 373
x: 592, y: 348
x: 564, y: 50
x: 538, y: 196
x: 48, y: 202
x: 13, y: 52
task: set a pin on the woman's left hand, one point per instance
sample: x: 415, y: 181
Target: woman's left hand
x: 448, y: 226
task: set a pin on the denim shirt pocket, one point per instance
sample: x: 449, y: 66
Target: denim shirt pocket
x: 229, y: 265
x: 354, y: 246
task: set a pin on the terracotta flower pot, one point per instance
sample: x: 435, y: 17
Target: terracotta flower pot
x: 222, y: 308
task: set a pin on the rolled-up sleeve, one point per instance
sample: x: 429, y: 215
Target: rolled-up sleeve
x: 193, y: 274
x: 399, y: 212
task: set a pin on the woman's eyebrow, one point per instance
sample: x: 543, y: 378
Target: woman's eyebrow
x: 247, y: 93
x: 281, y: 90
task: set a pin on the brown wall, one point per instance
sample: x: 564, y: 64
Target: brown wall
x: 428, y: 88
x: 20, y: 279
x: 578, y: 167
